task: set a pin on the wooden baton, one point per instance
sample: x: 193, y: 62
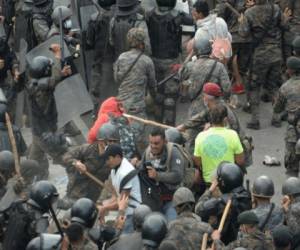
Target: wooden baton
x: 13, y: 144
x: 147, y: 122
x: 224, y: 216
x: 204, y: 241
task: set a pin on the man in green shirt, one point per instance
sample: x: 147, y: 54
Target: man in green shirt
x: 217, y: 144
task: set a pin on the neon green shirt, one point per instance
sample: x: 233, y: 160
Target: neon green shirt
x: 215, y: 145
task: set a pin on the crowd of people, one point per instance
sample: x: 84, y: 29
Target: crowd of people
x: 143, y: 181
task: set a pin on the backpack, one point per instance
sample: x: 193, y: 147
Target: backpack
x: 18, y: 230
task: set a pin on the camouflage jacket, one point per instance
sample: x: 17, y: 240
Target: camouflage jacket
x: 255, y: 240
x: 187, y: 231
x: 80, y: 185
x: 197, y: 73
x: 276, y: 218
x: 288, y: 99
x: 292, y: 216
x: 132, y: 89
x: 264, y: 24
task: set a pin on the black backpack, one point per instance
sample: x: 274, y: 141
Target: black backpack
x: 18, y: 231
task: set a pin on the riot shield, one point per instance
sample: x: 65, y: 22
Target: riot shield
x: 43, y: 49
x: 72, y: 100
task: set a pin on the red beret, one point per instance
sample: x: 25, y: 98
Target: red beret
x: 212, y: 89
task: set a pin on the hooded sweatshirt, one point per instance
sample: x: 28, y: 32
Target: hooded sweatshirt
x: 108, y: 107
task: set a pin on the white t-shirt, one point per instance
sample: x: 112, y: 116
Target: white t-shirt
x: 134, y: 184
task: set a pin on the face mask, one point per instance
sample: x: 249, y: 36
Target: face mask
x: 68, y: 24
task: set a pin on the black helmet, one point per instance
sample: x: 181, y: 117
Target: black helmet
x: 263, y: 186
x: 291, y: 186
x: 126, y: 3
x: 3, y: 110
x: 139, y: 215
x: 108, y: 131
x: 45, y: 242
x: 7, y: 161
x: 42, y: 195
x: 210, y: 207
x: 40, y: 66
x: 154, y: 229
x: 66, y: 13
x: 106, y: 3
x: 40, y: 2
x: 173, y: 135
x: 166, y: 3
x: 126, y: 7
x: 84, y: 211
x: 230, y: 176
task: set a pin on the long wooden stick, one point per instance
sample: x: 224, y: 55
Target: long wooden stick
x: 224, y: 216
x: 148, y: 122
x: 13, y: 144
x: 233, y: 10
x: 204, y: 241
x: 100, y: 183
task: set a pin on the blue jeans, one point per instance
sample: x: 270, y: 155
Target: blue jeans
x: 169, y: 211
x: 128, y: 226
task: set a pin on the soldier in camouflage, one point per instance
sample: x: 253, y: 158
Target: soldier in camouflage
x: 250, y: 236
x: 289, y: 99
x: 263, y: 22
x: 135, y: 73
x: 97, y: 38
x: 268, y: 214
x: 291, y: 203
x: 187, y: 230
x: 203, y: 70
x: 126, y: 17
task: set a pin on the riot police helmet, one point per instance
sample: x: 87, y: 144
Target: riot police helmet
x: 106, y: 3
x: 7, y: 162
x: 291, y: 186
x: 38, y: 3
x: 40, y: 67
x: 202, y: 44
x: 166, y: 3
x: 85, y: 212
x: 42, y: 195
x: 182, y: 196
x: 109, y: 132
x: 229, y: 176
x: 45, y: 242
x: 263, y: 187
x: 154, y: 229
x: 139, y: 215
x: 173, y: 135
x: 126, y: 7
x: 66, y: 13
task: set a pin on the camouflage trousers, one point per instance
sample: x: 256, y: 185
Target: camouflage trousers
x: 38, y: 151
x: 291, y: 159
x: 267, y: 76
x: 102, y: 81
x: 166, y: 112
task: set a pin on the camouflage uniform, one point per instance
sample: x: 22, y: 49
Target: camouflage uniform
x: 118, y: 36
x: 263, y: 22
x: 166, y: 37
x: 289, y: 99
x: 255, y: 240
x: 132, y: 90
x: 187, y: 231
x: 41, y: 22
x: 44, y: 122
x: 292, y: 216
x: 293, y: 26
x: 276, y: 218
x: 102, y: 71
x: 86, y: 245
x: 80, y: 185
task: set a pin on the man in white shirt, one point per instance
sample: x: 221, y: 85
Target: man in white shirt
x: 126, y: 183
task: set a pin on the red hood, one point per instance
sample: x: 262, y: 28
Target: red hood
x: 110, y: 105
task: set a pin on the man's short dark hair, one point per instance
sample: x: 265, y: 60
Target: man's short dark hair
x: 75, y: 232
x: 158, y: 132
x: 113, y: 150
x: 201, y: 6
x: 218, y: 113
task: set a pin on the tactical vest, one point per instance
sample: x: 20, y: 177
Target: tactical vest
x: 120, y: 28
x: 165, y: 35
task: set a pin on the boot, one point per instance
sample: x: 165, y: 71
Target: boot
x: 253, y: 125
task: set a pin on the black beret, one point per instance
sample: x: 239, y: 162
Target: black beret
x: 248, y: 217
x: 282, y: 236
x: 293, y: 63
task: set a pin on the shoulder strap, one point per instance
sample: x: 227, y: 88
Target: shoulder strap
x: 169, y: 154
x: 262, y: 227
x: 208, y: 76
x: 131, y: 66
x: 128, y: 178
